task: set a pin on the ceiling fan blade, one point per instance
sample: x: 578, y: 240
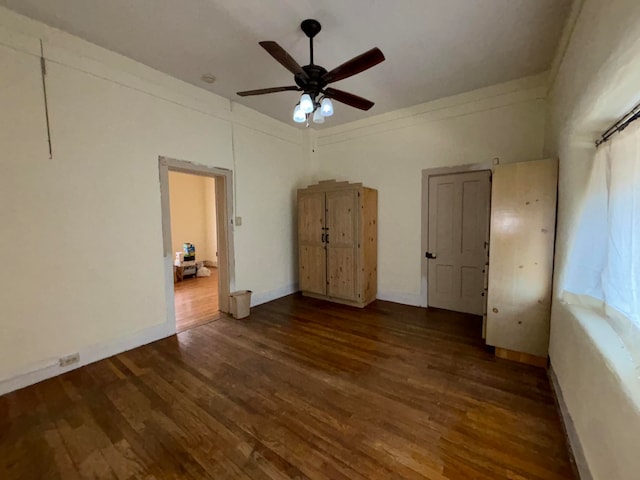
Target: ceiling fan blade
x: 355, y: 65
x: 349, y: 99
x: 262, y: 91
x: 286, y: 60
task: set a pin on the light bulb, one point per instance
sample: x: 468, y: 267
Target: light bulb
x: 317, y: 116
x: 298, y: 115
x: 326, y: 107
x: 306, y: 104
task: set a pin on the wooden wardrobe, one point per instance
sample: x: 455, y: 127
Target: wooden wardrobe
x: 338, y: 242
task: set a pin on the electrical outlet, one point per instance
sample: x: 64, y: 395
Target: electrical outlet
x: 238, y: 221
x: 496, y: 161
x: 69, y: 359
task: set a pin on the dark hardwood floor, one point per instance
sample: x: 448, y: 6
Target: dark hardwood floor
x: 301, y: 389
x: 196, y: 301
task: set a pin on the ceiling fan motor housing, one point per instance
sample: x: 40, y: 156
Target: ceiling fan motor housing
x: 314, y: 84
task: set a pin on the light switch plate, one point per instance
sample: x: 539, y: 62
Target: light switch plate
x: 238, y: 221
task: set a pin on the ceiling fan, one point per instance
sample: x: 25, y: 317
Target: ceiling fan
x: 313, y: 79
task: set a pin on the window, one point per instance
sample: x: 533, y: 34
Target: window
x: 604, y: 263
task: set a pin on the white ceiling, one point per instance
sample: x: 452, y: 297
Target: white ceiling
x: 433, y: 48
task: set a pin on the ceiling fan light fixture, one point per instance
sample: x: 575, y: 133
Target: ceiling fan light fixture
x: 298, y: 115
x: 326, y: 107
x: 306, y: 103
x: 317, y: 116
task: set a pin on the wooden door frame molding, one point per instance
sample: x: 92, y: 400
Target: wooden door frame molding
x: 224, y: 214
x: 424, y: 216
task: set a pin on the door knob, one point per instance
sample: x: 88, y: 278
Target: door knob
x: 429, y: 255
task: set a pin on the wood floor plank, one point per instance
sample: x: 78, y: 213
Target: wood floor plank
x: 196, y: 301
x: 301, y: 389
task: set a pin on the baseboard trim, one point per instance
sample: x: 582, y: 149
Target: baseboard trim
x: 264, y: 297
x: 578, y: 459
x: 88, y: 355
x: 399, y: 297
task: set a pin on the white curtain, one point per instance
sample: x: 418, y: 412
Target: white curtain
x: 604, y: 263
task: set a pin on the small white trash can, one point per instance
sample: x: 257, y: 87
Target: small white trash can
x: 240, y: 303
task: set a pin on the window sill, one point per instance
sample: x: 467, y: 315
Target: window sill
x: 620, y: 360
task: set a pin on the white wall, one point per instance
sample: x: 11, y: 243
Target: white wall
x: 388, y: 152
x: 597, y: 82
x: 71, y: 225
x: 271, y: 209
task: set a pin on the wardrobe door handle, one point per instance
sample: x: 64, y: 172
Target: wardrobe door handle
x: 322, y: 238
x: 327, y: 238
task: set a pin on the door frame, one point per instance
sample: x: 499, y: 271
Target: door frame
x: 424, y: 216
x: 224, y: 214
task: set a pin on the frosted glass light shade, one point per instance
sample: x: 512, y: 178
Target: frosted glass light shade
x: 326, y: 107
x: 317, y: 116
x: 306, y: 104
x: 298, y: 115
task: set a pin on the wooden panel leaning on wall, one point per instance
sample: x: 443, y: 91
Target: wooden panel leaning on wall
x: 523, y: 214
x: 338, y: 242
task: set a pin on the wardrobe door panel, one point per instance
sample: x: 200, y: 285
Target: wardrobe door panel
x: 312, y: 254
x: 342, y: 230
x: 342, y: 278
x: 313, y: 268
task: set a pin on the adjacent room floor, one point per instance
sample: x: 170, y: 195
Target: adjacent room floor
x: 301, y: 389
x: 196, y: 300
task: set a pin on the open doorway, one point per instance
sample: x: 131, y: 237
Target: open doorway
x: 455, y: 238
x: 198, y: 252
x: 192, y: 206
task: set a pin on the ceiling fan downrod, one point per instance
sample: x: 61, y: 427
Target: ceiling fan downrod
x: 311, y: 28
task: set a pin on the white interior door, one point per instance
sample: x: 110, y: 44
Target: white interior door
x: 459, y: 209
